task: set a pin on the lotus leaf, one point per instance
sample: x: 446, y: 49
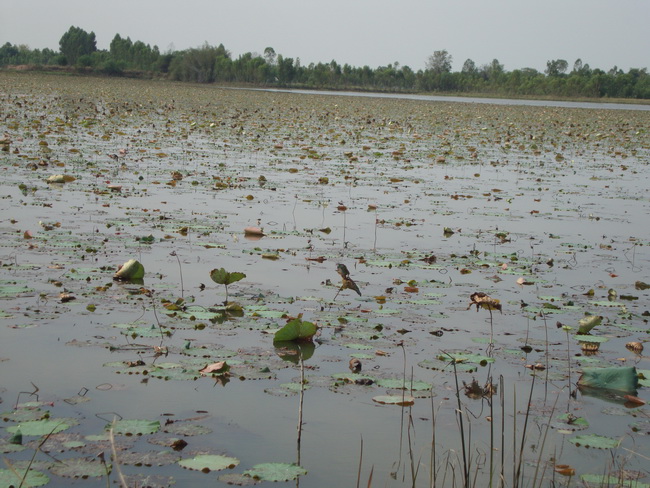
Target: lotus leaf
x: 209, y: 462
x: 276, y: 472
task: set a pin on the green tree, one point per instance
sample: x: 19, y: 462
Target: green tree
x: 556, y: 67
x: 493, y: 71
x: 75, y: 43
x: 269, y: 56
x: 8, y: 54
x: 580, y: 68
x: 439, y: 62
x: 469, y: 67
x: 202, y: 65
x: 286, y: 70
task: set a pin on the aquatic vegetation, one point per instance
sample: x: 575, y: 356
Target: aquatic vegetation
x: 535, y: 212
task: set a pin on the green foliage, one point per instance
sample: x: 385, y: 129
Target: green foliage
x: 14, y: 477
x: 587, y: 323
x: 223, y: 277
x: 76, y: 43
x: 132, y: 270
x: 41, y: 427
x: 134, y: 426
x: 214, y: 64
x: 126, y: 54
x: 19, y: 55
x: 556, y: 67
x: 112, y: 68
x: 296, y: 330
x: 275, y: 472
x: 440, y: 62
x: 209, y: 462
x: 620, y: 379
x: 595, y: 441
x: 82, y: 468
x: 206, y: 64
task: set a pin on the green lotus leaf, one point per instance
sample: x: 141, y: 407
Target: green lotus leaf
x: 151, y: 458
x: 588, y: 323
x: 622, y: 379
x: 403, y: 400
x: 9, y: 478
x: 186, y: 429
x: 596, y: 441
x: 462, y: 357
x: 209, y: 462
x: 440, y: 365
x: 80, y: 468
x: 223, y: 277
x: 609, y: 480
x: 296, y: 330
x: 275, y: 472
x: 134, y: 427
x: 400, y: 384
x: 352, y: 377
x: 42, y: 427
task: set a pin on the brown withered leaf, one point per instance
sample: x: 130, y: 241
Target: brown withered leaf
x: 220, y: 367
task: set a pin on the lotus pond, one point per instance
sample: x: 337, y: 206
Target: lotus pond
x: 442, y: 212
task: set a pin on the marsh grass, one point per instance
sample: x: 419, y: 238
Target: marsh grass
x: 502, y: 465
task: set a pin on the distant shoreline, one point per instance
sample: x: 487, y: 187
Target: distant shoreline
x: 143, y: 75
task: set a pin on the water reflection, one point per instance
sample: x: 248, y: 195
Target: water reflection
x: 469, y: 100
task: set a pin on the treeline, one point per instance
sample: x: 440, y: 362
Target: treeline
x: 214, y: 64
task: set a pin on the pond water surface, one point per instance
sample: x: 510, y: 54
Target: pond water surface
x: 543, y: 208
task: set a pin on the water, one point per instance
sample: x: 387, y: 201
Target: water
x: 472, y: 100
x: 552, y: 196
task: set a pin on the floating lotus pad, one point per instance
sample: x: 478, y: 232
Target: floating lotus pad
x: 596, y: 441
x: 620, y: 379
x: 275, y: 472
x: 186, y: 429
x: 400, y: 384
x: 611, y: 480
x: 462, y: 357
x: 80, y: 468
x: 440, y: 365
x: 402, y: 400
x: 209, y: 462
x: 9, y: 478
x: 151, y: 458
x: 42, y: 427
x: 134, y: 427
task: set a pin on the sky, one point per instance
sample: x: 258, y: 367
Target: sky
x: 519, y: 33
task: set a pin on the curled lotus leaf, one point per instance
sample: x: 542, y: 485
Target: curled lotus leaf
x: 130, y: 271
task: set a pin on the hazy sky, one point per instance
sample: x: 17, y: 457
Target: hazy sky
x: 519, y: 33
